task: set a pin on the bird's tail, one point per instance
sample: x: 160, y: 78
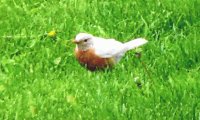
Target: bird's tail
x: 135, y: 43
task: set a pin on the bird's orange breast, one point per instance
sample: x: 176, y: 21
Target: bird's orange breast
x: 91, y: 61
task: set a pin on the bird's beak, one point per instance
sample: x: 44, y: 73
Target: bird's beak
x: 74, y: 41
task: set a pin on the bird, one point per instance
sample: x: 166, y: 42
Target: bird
x: 97, y: 53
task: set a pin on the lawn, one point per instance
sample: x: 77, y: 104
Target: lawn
x: 41, y: 79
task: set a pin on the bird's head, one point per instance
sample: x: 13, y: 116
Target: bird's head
x: 83, y: 41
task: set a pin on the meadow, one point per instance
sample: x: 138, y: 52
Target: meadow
x: 41, y: 79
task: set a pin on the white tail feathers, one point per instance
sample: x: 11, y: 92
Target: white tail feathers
x: 135, y: 43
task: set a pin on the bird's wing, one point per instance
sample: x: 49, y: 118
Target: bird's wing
x: 106, y: 48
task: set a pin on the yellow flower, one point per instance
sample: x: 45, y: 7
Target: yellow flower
x: 52, y: 33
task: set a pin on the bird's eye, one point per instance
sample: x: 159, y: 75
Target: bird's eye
x: 85, y: 40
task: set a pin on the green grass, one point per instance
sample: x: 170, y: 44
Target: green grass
x: 41, y: 79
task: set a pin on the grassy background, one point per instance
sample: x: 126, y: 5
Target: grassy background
x: 40, y: 78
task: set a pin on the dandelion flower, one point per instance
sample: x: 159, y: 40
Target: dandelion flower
x: 52, y: 33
